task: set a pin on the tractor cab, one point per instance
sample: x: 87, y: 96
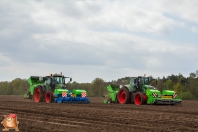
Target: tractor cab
x: 56, y: 81
x: 138, y: 82
x: 141, y: 80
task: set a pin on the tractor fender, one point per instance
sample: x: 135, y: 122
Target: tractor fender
x: 126, y: 86
x: 43, y: 87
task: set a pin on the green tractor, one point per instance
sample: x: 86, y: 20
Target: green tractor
x: 52, y: 88
x: 140, y: 92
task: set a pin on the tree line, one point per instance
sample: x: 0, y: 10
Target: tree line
x: 15, y: 87
x: 187, y: 87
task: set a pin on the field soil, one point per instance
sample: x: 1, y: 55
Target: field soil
x: 99, y: 117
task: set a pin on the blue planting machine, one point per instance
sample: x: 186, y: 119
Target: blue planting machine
x: 66, y: 96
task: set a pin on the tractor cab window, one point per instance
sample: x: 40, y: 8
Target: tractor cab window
x: 57, y: 80
x: 146, y: 81
x: 48, y: 81
x: 132, y: 81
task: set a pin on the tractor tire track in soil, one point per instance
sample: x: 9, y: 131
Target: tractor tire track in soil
x: 99, y: 117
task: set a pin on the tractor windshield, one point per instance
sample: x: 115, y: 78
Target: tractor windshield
x: 145, y: 81
x: 58, y: 80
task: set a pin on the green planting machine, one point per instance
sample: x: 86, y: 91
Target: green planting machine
x: 140, y: 92
x: 53, y: 88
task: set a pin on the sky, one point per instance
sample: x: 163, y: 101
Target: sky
x: 108, y: 39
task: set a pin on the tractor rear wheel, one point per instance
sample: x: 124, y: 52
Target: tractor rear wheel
x: 38, y: 95
x: 123, y: 96
x: 49, y: 98
x: 140, y: 98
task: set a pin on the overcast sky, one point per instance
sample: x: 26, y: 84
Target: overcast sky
x: 108, y: 39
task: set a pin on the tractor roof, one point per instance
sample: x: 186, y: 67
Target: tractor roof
x: 55, y: 75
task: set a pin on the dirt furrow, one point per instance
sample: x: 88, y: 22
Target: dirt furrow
x: 100, y: 117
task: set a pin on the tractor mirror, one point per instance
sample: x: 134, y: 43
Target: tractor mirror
x: 70, y: 79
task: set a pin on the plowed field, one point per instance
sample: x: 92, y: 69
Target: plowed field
x: 99, y: 117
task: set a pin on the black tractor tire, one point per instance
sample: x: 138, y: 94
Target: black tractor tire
x: 49, y: 98
x: 123, y: 96
x: 139, y: 98
x: 132, y: 97
x: 38, y: 95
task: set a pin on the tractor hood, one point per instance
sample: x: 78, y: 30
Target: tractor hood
x: 151, y: 91
x: 168, y: 92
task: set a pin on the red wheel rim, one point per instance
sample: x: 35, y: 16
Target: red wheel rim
x: 122, y: 96
x: 47, y: 97
x: 137, y: 99
x: 37, y: 95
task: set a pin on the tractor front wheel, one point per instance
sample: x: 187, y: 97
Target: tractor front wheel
x: 140, y: 98
x: 38, y: 95
x: 49, y: 98
x: 123, y: 96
